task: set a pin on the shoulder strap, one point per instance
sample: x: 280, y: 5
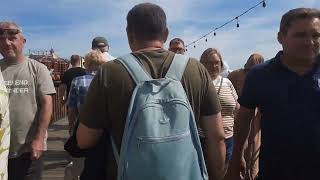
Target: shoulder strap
x: 177, y: 67
x: 135, y: 68
x: 114, y: 150
x: 220, y: 86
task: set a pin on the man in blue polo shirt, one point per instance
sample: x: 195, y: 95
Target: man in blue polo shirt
x: 287, y: 91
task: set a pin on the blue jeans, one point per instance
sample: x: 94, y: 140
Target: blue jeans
x: 229, y: 148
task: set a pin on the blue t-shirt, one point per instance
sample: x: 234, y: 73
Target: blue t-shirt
x: 290, y: 124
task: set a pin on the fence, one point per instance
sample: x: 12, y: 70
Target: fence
x: 59, y: 110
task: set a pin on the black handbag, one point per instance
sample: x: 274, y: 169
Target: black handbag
x: 71, y: 146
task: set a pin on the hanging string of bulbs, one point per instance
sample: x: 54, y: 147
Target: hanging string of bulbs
x: 214, y: 30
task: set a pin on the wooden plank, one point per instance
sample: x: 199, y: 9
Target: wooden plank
x: 56, y: 159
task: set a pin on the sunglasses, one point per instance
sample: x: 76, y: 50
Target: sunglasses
x: 9, y: 32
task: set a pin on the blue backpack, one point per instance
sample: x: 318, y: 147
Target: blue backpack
x: 160, y: 140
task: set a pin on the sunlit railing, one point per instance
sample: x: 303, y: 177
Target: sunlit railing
x: 59, y: 110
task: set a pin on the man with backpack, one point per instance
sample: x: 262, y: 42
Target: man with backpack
x: 151, y: 102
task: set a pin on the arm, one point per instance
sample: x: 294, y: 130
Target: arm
x: 37, y: 145
x: 216, y: 149
x: 236, y: 109
x: 45, y: 88
x: 254, y: 144
x: 255, y: 127
x: 241, y: 132
x: 87, y: 137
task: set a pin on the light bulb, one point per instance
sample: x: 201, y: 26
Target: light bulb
x: 264, y: 4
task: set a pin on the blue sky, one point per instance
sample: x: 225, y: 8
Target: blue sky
x: 69, y: 25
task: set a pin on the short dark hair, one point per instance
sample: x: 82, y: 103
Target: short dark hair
x: 176, y: 41
x: 295, y: 14
x: 207, y: 53
x: 147, y: 21
x: 75, y: 59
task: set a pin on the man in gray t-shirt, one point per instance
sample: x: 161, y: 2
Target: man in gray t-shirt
x: 30, y: 88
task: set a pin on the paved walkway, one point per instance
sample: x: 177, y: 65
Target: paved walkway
x: 56, y: 159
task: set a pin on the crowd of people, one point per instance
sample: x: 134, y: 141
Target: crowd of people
x: 159, y: 114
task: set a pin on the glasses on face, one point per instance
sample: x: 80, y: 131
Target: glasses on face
x: 177, y: 50
x: 9, y: 32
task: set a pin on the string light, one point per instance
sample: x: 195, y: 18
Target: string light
x: 238, y: 25
x: 264, y: 4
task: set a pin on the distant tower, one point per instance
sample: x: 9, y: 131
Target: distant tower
x: 51, y: 51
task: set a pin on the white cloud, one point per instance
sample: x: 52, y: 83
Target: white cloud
x: 77, y: 38
x: 236, y: 45
x: 257, y: 33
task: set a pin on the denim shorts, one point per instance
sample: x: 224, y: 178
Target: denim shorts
x: 229, y: 148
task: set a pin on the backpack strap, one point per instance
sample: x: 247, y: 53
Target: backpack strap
x: 177, y: 67
x: 138, y: 74
x: 114, y: 150
x: 220, y: 86
x: 135, y: 68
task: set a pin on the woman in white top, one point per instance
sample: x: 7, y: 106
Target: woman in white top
x: 4, y: 129
x: 212, y: 60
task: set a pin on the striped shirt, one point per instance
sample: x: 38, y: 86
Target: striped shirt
x: 228, y: 100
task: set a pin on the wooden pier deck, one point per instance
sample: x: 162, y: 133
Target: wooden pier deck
x: 56, y: 159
